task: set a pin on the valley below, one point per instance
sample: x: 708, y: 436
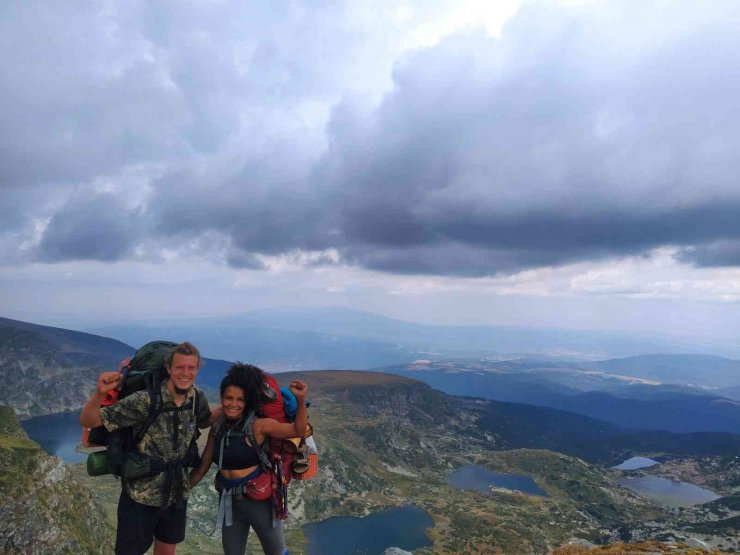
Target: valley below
x: 388, y: 441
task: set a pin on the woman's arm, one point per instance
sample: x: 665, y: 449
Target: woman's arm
x: 196, y: 475
x: 271, y: 427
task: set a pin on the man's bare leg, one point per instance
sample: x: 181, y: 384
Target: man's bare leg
x: 161, y: 548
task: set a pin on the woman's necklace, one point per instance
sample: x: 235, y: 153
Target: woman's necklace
x: 230, y: 427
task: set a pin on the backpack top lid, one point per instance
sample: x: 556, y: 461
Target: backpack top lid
x: 275, y: 407
x: 151, y: 357
x: 147, y: 367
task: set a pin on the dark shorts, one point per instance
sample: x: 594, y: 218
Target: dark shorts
x: 139, y: 524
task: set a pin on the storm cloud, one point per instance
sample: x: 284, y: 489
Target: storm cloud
x: 579, y: 134
x: 97, y: 228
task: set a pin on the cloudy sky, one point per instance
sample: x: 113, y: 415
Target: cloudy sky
x: 569, y: 163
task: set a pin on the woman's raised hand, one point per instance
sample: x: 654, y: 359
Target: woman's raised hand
x: 299, y: 389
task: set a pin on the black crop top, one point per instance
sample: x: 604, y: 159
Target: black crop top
x: 237, y: 454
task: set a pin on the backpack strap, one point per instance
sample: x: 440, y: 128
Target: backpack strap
x: 249, y: 432
x: 155, y: 409
x: 217, y: 426
x: 217, y: 431
x: 196, y: 404
x: 156, y: 406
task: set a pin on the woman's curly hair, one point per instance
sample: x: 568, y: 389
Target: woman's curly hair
x: 250, y: 379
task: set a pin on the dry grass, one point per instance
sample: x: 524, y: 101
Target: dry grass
x: 633, y: 549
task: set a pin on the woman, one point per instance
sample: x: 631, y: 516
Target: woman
x: 238, y: 461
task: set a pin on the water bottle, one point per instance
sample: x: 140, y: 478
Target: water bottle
x: 97, y: 464
x: 311, y: 445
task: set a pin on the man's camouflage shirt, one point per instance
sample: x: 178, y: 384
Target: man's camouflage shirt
x: 168, y: 437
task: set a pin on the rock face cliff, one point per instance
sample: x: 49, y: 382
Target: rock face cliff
x: 44, y: 510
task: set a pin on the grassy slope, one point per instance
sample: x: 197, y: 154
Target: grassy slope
x: 33, y: 483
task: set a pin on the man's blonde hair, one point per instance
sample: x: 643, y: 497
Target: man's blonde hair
x: 186, y: 348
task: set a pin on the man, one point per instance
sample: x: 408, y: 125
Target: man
x: 153, y: 508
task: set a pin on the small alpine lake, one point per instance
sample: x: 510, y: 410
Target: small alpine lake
x: 477, y: 478
x: 670, y: 493
x: 635, y: 463
x: 403, y: 527
x: 58, y: 434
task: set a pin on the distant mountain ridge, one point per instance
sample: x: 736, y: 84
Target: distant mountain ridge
x: 275, y: 349
x: 467, y: 339
x: 267, y: 336
x: 687, y: 369
x: 71, y: 346
x: 629, y: 404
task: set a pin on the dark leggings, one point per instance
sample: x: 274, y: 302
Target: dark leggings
x: 248, y: 513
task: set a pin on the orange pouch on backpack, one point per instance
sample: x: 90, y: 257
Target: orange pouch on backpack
x: 313, y: 468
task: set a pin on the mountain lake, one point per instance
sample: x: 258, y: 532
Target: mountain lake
x: 477, y: 478
x: 58, y: 434
x: 635, y: 463
x: 668, y: 492
x: 403, y: 527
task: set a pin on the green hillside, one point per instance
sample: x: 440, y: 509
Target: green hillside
x: 44, y: 509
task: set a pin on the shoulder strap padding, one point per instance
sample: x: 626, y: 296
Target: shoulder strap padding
x: 200, y: 404
x: 217, y: 426
x: 249, y: 432
x: 155, y: 406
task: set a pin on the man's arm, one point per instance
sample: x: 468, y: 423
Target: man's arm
x: 205, y: 460
x: 90, y: 415
x: 206, y: 417
x: 215, y: 415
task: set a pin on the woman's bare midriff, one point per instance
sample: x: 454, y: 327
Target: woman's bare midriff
x: 238, y: 473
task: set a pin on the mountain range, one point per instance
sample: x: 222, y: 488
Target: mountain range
x: 386, y: 440
x: 325, y: 337
x: 631, y: 393
x: 628, y: 402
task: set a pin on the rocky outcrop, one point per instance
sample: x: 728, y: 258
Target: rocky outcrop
x: 44, y: 510
x: 38, y: 385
